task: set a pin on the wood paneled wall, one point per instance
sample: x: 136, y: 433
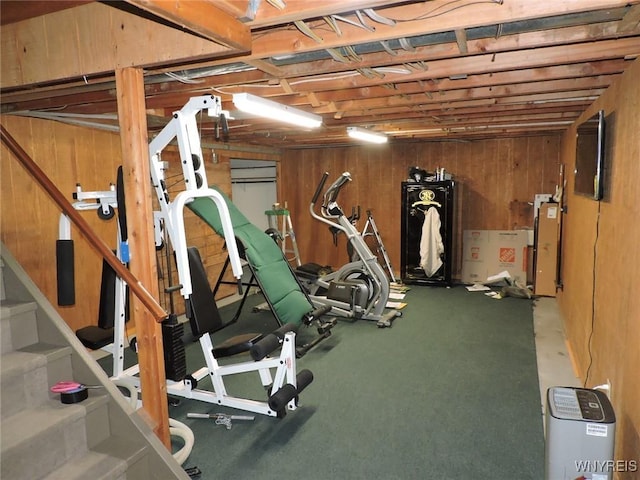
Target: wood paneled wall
x: 63, y: 44
x: 496, y: 183
x: 600, y: 301
x: 70, y: 155
x: 29, y: 225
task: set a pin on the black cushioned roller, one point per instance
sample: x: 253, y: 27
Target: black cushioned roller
x: 278, y: 401
x: 270, y: 342
x: 303, y: 379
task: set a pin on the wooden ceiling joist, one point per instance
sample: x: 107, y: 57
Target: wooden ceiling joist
x: 378, y: 62
x: 91, y: 40
x: 202, y: 18
x: 416, y: 20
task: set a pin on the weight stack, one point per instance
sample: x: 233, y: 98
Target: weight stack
x: 175, y: 359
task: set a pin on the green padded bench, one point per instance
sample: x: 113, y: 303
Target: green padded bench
x: 279, y: 286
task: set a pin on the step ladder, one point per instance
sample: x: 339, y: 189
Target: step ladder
x: 280, y: 220
x: 381, y: 251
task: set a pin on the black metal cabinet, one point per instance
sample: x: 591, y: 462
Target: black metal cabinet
x: 424, y: 204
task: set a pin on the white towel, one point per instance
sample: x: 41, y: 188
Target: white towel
x: 431, y: 246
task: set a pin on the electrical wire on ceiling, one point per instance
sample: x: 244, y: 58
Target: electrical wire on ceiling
x: 376, y: 17
x: 322, y: 79
x: 363, y: 22
x: 307, y: 30
x: 246, y: 86
x: 192, y: 76
x: 333, y: 24
x: 330, y: 20
x: 352, y: 22
x: 336, y: 55
x: 387, y: 48
x: 182, y: 79
x: 434, y: 13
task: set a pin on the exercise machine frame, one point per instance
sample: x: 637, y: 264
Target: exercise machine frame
x: 366, y: 265
x: 370, y: 224
x: 106, y: 204
x: 323, y: 326
x: 284, y: 386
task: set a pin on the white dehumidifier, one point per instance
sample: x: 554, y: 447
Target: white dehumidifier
x: 580, y: 431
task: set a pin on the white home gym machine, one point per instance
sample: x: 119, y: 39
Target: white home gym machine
x: 109, y: 333
x: 358, y: 289
x: 276, y: 370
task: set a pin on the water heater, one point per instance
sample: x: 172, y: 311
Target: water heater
x: 580, y: 433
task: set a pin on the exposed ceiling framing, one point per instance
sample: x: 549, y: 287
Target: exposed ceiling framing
x: 440, y: 69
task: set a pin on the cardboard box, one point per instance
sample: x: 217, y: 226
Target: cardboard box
x: 489, y: 252
x: 547, y: 250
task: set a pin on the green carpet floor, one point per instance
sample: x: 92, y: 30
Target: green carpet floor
x: 449, y: 392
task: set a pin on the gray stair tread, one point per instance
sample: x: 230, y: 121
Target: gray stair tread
x: 12, y: 307
x: 42, y: 438
x: 91, y: 465
x: 122, y: 447
x: 18, y: 362
x: 31, y: 357
x: 28, y: 424
x: 52, y: 352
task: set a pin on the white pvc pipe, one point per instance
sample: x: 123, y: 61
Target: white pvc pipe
x: 176, y: 428
x: 179, y: 429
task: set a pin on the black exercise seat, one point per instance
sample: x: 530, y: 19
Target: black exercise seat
x: 203, y: 313
x: 95, y: 337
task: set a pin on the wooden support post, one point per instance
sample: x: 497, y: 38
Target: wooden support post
x: 139, y: 209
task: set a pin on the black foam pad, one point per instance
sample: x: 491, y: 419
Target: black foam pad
x: 204, y: 316
x: 107, y: 306
x: 122, y: 210
x: 65, y: 273
x: 94, y: 337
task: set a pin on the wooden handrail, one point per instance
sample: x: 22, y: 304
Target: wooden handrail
x: 94, y: 240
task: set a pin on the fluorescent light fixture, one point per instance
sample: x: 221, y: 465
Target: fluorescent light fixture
x: 571, y: 99
x: 366, y: 135
x: 275, y: 111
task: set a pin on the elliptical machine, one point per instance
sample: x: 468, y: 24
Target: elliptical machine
x: 360, y: 288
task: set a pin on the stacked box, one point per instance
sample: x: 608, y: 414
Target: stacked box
x: 490, y: 252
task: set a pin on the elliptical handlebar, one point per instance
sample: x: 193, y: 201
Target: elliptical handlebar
x: 329, y: 197
x: 332, y: 192
x: 323, y: 180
